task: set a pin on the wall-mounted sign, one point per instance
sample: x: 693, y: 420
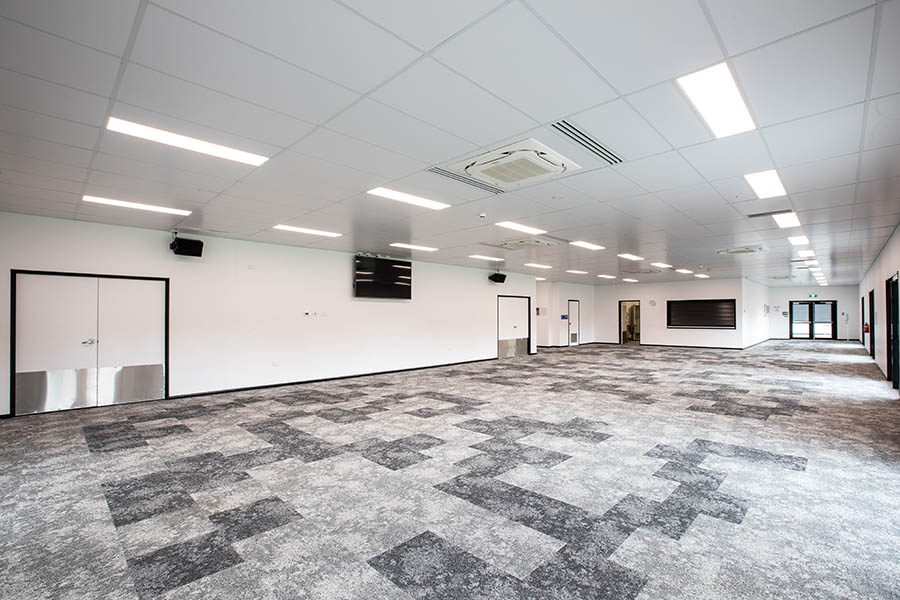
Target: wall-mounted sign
x: 784, y: 313
x: 813, y: 295
x: 564, y: 317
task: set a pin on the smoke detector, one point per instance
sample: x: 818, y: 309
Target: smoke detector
x: 741, y: 250
x: 524, y: 162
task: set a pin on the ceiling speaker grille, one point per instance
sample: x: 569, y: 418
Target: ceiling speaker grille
x: 466, y: 180
x: 586, y: 141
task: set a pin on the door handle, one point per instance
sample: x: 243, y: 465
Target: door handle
x: 89, y: 342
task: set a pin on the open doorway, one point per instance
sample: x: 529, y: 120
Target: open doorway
x: 629, y: 321
x: 892, y: 325
x: 574, y: 322
x: 872, y: 323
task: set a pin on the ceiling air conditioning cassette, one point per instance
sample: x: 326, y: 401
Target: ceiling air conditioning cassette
x: 524, y: 162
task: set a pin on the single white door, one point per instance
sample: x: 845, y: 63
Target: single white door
x: 512, y: 326
x: 56, y: 343
x: 574, y: 322
x: 131, y: 334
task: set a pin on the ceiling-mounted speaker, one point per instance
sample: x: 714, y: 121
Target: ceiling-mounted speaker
x: 497, y: 277
x: 186, y: 247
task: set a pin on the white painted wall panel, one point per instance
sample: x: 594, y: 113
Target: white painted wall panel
x: 844, y: 295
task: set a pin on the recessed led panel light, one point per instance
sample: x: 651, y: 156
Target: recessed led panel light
x: 606, y: 276
x: 576, y: 272
x: 767, y: 184
x: 136, y: 205
x: 798, y: 240
x: 629, y: 257
x: 823, y: 284
x: 588, y: 245
x: 716, y: 97
x: 305, y: 230
x: 182, y: 141
x: 480, y: 257
x: 540, y: 279
x: 805, y: 253
x: 538, y: 266
x: 630, y: 280
x: 811, y: 263
x: 407, y: 198
x: 520, y: 227
x: 685, y: 271
x: 786, y: 220
x: 413, y: 247
x: 661, y: 265
x: 701, y: 275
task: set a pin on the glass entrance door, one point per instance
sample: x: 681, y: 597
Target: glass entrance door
x: 814, y: 320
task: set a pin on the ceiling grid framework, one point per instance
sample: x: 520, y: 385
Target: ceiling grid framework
x: 333, y: 129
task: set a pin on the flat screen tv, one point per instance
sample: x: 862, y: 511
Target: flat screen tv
x: 382, y: 278
x: 701, y: 314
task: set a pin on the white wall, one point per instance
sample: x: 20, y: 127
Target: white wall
x: 237, y: 314
x: 653, y: 318
x: 554, y: 330
x: 542, y: 323
x: 845, y: 296
x: 885, y: 266
x: 755, y: 321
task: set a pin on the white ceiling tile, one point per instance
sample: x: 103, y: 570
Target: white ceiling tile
x: 825, y: 215
x: 554, y: 195
x: 439, y: 188
x: 24, y: 194
x: 814, y: 138
x: 730, y: 156
x: 186, y: 50
x: 41, y: 167
x: 819, y: 70
x: 642, y: 206
x: 383, y: 126
x: 167, y: 95
x: 692, y: 197
x: 667, y: 109
x: 886, y: 78
x: 621, y: 129
x: 35, y: 148
x: 660, y: 172
x: 29, y: 93
x: 25, y: 123
x: 879, y: 189
x: 311, y: 169
x: 125, y: 217
x: 318, y: 35
x: 819, y: 175
x: 122, y: 187
x: 298, y: 200
x: 747, y: 25
x: 734, y: 189
x: 880, y: 163
x: 351, y: 152
x: 166, y: 173
x: 33, y: 180
x: 435, y: 94
x: 530, y: 77
x: 415, y: 20
x: 883, y: 126
x: 603, y: 185
x: 752, y: 207
x: 836, y: 196
x: 875, y: 209
x: 324, y: 191
x: 615, y: 37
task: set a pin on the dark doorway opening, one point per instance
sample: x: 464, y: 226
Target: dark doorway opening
x: 891, y: 323
x: 872, y: 323
x: 629, y: 321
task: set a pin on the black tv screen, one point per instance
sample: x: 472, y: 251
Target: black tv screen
x: 382, y: 278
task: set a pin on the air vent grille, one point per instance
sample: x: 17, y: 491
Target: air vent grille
x: 741, y: 250
x: 586, y: 141
x: 466, y: 180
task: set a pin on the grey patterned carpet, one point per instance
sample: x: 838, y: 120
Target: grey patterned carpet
x: 582, y: 473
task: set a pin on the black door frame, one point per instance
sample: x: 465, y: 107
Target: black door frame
x: 620, y: 319
x: 862, y: 320
x: 497, y: 338
x: 892, y: 329
x: 569, y: 319
x: 812, y: 318
x: 14, y: 273
x: 872, y: 323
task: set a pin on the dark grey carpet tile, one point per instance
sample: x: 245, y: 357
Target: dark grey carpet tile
x: 520, y: 453
x: 254, y: 458
x: 298, y: 444
x: 159, y: 432
x: 309, y: 396
x: 677, y: 512
x: 691, y: 475
x: 211, y: 469
x: 453, y: 398
x: 395, y: 454
x: 112, y: 436
x: 341, y: 415
x: 173, y: 566
x: 140, y: 498
x: 632, y: 512
x: 794, y: 463
x: 246, y: 521
x: 586, y: 575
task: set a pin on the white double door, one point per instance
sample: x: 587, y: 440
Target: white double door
x: 88, y: 341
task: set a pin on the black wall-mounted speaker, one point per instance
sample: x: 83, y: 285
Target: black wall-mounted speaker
x: 497, y: 277
x: 187, y: 247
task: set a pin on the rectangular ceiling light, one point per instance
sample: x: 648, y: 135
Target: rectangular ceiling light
x: 685, y: 271
x: 629, y: 256
x: 716, y: 97
x: 413, y: 247
x: 407, y: 198
x: 540, y: 279
x: 823, y: 284
x: 661, y: 265
x: 786, y: 219
x: 805, y: 253
x: 519, y: 227
x: 538, y: 266
x: 606, y: 276
x: 798, y: 240
x: 701, y: 275
x: 305, y: 230
x: 588, y: 245
x: 630, y: 280
x: 576, y: 272
x: 136, y: 205
x: 480, y: 257
x: 815, y: 270
x: 766, y: 184
x: 182, y: 141
x: 811, y: 263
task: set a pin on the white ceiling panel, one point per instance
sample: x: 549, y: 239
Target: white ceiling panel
x: 876, y: 209
x: 613, y: 37
x: 29, y: 93
x: 351, y: 152
x: 42, y: 182
x: 34, y: 148
x: 122, y: 187
x: 531, y: 76
x: 836, y: 196
x: 642, y: 206
x: 734, y: 189
x: 883, y: 127
x: 621, y: 129
x: 692, y: 197
x: 603, y: 185
x: 469, y: 112
x: 32, y: 52
x: 822, y: 69
x: 819, y: 175
x: 729, y: 157
x: 297, y: 200
x: 389, y: 128
x: 318, y: 35
x: 324, y: 191
x: 825, y: 215
x: 886, y: 78
x: 880, y: 189
x: 29, y: 124
x: 660, y: 172
x: 554, y: 195
x: 178, y: 47
x: 415, y: 20
x: 880, y: 163
x: 747, y: 25
x: 668, y: 111
x: 163, y: 173
x: 125, y: 217
x: 813, y: 138
x: 439, y: 188
x: 36, y: 166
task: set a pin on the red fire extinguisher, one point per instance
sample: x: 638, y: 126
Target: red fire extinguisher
x: 866, y: 328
